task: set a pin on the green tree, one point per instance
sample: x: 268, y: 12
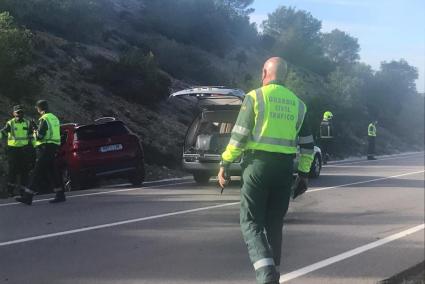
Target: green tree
x: 77, y: 20
x: 15, y: 54
x: 15, y: 44
x: 297, y: 38
x: 340, y: 47
x: 240, y: 7
x: 209, y: 25
x: 390, y: 90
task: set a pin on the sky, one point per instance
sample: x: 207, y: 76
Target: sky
x: 386, y: 29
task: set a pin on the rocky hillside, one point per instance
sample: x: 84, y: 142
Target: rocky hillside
x: 122, y: 58
x: 65, y: 69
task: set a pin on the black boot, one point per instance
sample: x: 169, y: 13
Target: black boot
x: 10, y: 190
x: 26, y: 198
x: 60, y: 197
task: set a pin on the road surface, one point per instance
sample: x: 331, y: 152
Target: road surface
x: 361, y: 222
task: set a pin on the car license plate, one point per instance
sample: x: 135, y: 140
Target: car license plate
x: 111, y: 148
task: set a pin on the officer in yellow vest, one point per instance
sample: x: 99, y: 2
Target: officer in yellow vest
x: 326, y: 135
x: 18, y: 131
x: 47, y: 142
x: 271, y: 123
x: 371, y: 133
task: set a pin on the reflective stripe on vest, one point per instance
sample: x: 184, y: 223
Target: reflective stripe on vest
x: 371, y: 130
x: 53, y: 132
x: 19, y: 133
x: 277, y: 120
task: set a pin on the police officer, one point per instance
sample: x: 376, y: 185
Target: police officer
x: 371, y: 133
x: 18, y: 131
x: 271, y: 122
x: 47, y: 141
x: 326, y: 135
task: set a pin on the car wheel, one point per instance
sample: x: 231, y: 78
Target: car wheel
x: 71, y: 181
x: 138, y: 177
x: 316, y: 167
x: 201, y: 178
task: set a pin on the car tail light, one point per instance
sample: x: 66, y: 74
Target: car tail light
x: 77, y: 148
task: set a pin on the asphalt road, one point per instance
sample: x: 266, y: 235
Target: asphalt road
x: 361, y: 222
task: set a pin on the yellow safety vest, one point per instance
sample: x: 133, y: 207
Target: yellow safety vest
x: 53, y: 132
x: 19, y: 134
x: 279, y: 115
x: 371, y: 131
x: 270, y: 120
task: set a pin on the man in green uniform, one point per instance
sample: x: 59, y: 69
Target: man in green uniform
x: 270, y: 125
x: 18, y: 131
x: 371, y: 133
x: 47, y: 141
x: 326, y: 135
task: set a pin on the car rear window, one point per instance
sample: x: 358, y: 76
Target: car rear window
x: 101, y: 131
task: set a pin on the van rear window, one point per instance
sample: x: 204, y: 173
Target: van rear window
x: 101, y: 131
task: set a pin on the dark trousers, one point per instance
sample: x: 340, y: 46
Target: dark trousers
x: 326, y: 147
x: 265, y: 195
x: 46, y: 177
x: 371, y: 146
x: 20, y: 164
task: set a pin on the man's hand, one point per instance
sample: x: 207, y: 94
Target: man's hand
x: 300, y: 186
x: 223, y: 179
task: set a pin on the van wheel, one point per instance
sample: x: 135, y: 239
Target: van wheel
x: 138, y: 177
x: 71, y: 181
x: 201, y: 178
x: 316, y: 167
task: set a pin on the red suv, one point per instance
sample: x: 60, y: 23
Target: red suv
x: 105, y: 149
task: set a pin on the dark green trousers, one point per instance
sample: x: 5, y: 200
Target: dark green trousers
x: 20, y: 164
x: 265, y: 195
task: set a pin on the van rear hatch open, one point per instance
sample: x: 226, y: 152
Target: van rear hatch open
x: 208, y: 96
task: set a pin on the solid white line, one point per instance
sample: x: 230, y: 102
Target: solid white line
x: 109, y: 225
x: 393, y: 157
x: 318, y: 265
x: 362, y: 182
x: 85, y: 229
x: 101, y: 192
x: 179, y: 183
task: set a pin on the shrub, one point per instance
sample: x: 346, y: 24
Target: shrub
x: 72, y: 19
x: 16, y: 81
x: 136, y: 77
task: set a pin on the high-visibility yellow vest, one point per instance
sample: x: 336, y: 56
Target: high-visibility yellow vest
x: 270, y: 120
x: 279, y: 115
x: 53, y: 135
x: 371, y: 130
x: 19, y: 135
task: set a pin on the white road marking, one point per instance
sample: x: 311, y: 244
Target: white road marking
x: 114, y: 224
x: 101, y: 192
x: 362, y: 182
x: 393, y: 157
x: 329, y: 261
x: 109, y: 225
x: 179, y: 183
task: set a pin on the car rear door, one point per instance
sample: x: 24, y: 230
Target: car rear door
x: 105, y: 143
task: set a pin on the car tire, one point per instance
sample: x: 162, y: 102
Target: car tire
x: 201, y: 178
x: 138, y: 177
x: 316, y: 167
x: 71, y: 181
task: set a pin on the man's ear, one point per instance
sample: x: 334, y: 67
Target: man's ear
x: 264, y: 74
